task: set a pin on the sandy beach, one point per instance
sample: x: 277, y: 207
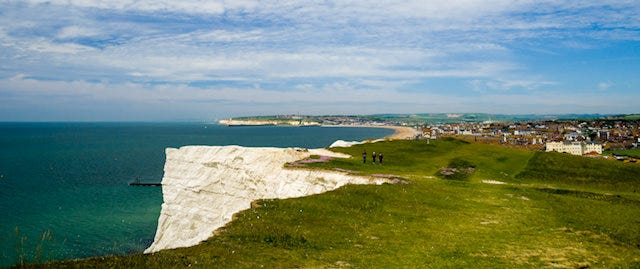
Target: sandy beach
x: 401, y: 132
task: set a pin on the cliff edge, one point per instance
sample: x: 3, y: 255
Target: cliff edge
x: 203, y: 186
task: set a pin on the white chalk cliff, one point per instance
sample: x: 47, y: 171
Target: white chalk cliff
x: 344, y: 144
x: 203, y: 186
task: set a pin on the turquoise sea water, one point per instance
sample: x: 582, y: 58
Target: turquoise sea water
x: 71, y: 179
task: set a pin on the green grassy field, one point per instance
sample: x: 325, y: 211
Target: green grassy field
x: 553, y: 211
x: 629, y: 152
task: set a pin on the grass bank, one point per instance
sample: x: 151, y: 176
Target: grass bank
x: 630, y: 152
x: 553, y: 210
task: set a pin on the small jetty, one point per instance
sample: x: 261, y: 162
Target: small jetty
x: 138, y: 182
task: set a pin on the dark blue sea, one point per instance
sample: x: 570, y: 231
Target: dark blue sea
x: 64, y: 189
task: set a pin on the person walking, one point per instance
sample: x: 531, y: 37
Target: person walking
x: 380, y: 157
x: 364, y: 156
x: 373, y: 155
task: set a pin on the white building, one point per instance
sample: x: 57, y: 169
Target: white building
x: 524, y: 132
x: 572, y: 136
x: 575, y: 148
x: 536, y: 140
x: 592, y: 147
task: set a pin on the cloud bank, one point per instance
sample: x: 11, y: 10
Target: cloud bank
x: 215, y: 59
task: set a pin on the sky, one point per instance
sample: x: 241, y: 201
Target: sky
x: 195, y: 60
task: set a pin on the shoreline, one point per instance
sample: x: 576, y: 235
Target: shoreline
x: 172, y: 230
x: 401, y: 132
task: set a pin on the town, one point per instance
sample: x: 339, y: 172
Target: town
x: 589, y: 137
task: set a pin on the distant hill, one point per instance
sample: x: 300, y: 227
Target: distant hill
x: 434, y: 118
x: 624, y: 117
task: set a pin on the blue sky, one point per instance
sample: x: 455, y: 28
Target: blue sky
x: 83, y: 60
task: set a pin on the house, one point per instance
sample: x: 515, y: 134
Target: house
x: 572, y: 136
x: 604, y: 135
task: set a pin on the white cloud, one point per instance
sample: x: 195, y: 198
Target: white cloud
x: 300, y: 50
x: 435, y: 13
x: 502, y: 84
x: 186, y: 6
x: 76, y: 31
x: 604, y: 85
x: 146, y: 94
x: 228, y: 36
x: 40, y: 45
x: 508, y: 84
x: 312, y: 99
x: 43, y: 45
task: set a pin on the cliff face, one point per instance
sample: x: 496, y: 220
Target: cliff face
x: 203, y: 186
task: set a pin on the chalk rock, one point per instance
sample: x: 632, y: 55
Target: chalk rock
x: 203, y: 186
x: 344, y: 144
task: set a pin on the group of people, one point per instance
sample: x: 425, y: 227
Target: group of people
x: 373, y: 156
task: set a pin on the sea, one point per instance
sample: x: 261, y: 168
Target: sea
x: 64, y: 189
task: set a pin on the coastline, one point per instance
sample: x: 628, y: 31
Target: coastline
x: 205, y: 186
x: 182, y: 191
x: 401, y: 132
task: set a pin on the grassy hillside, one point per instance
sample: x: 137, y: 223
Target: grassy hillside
x: 554, y: 210
x: 629, y: 152
x: 583, y: 173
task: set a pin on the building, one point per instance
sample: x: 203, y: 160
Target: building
x: 536, y: 140
x: 572, y: 136
x: 591, y: 147
x: 575, y: 148
x: 604, y: 135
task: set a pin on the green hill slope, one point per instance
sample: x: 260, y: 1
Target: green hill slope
x: 552, y: 210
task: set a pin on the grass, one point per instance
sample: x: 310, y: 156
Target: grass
x: 420, y: 159
x: 631, y: 117
x: 570, y: 171
x: 557, y: 211
x: 629, y: 152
